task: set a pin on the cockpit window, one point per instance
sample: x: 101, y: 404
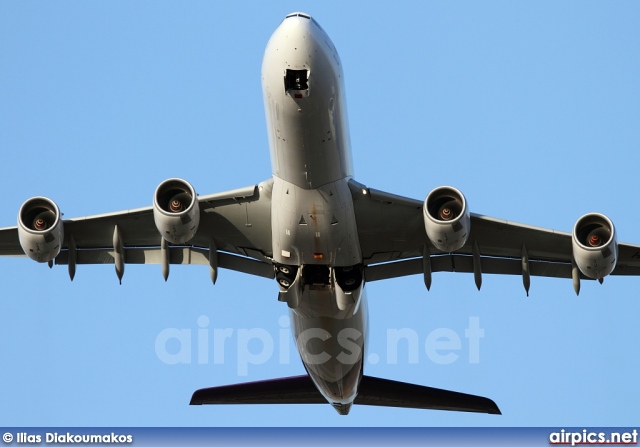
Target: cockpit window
x: 296, y: 80
x: 298, y: 14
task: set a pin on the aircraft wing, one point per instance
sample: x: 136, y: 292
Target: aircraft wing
x: 393, y: 241
x: 235, y: 226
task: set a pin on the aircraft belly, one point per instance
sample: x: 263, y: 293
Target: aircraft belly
x: 311, y: 147
x: 314, y: 226
x: 313, y: 218
x: 332, y: 351
x: 308, y: 131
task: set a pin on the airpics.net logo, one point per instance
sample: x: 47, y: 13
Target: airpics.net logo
x: 206, y: 344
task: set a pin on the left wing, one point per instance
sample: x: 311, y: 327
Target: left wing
x: 234, y: 233
x: 394, y: 243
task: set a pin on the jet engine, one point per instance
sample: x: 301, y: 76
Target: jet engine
x: 176, y: 211
x: 595, y: 248
x: 40, y: 229
x: 446, y: 218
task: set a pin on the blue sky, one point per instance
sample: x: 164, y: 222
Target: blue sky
x: 532, y: 109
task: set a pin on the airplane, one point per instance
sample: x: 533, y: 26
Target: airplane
x: 321, y: 235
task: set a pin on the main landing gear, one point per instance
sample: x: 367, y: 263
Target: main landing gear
x: 286, y: 274
x: 349, y: 278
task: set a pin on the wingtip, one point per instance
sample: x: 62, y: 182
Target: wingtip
x: 492, y: 407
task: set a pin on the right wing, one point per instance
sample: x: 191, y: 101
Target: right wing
x: 234, y: 225
x: 394, y: 243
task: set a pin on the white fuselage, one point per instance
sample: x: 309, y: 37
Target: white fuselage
x: 313, y: 220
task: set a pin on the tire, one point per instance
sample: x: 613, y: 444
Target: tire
x: 283, y: 280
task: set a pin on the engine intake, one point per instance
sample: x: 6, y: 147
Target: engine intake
x: 176, y: 211
x: 446, y: 218
x: 595, y: 248
x: 40, y: 229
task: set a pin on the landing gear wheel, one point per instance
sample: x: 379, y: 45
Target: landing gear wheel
x: 349, y: 277
x: 349, y: 282
x: 283, y: 280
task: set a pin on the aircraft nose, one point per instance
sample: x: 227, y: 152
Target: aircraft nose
x: 299, y: 33
x: 298, y: 23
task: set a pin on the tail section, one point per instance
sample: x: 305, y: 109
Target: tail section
x: 372, y: 391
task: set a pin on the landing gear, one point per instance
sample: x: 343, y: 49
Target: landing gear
x: 283, y: 280
x: 285, y: 275
x: 316, y: 275
x: 320, y: 289
x: 349, y: 278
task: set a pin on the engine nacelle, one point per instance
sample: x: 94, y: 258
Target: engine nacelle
x: 595, y: 248
x: 40, y: 229
x: 176, y: 211
x: 446, y: 218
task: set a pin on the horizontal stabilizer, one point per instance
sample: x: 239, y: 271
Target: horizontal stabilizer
x: 289, y: 390
x: 372, y: 391
x: 389, y: 393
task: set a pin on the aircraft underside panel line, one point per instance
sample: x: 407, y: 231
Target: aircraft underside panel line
x: 177, y: 255
x: 490, y: 265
